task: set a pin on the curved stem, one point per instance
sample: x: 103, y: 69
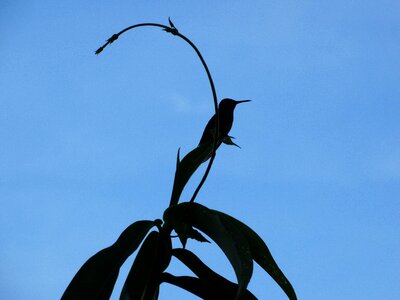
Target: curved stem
x: 216, y: 119
x: 116, y: 36
x: 174, y: 31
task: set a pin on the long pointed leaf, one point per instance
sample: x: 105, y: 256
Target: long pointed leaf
x: 186, y: 168
x: 153, y: 257
x: 96, y: 278
x: 195, y: 265
x: 227, y: 237
x: 192, y: 285
x: 206, y: 274
x: 261, y: 254
x: 142, y: 269
x: 205, y: 289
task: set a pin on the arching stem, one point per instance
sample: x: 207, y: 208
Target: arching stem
x: 173, y: 30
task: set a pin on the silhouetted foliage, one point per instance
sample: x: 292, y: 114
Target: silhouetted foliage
x: 190, y: 220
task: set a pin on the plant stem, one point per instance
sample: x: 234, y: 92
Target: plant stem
x: 174, y: 31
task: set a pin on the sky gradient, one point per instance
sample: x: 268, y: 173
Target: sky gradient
x: 88, y: 143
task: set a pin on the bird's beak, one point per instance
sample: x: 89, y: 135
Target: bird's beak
x: 242, y: 101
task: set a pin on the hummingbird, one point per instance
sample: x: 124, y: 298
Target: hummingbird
x: 226, y: 108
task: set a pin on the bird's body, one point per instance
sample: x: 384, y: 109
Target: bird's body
x: 226, y: 108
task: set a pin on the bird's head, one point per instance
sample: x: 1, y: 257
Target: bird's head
x: 228, y: 103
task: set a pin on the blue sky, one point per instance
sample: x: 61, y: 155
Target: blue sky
x: 88, y: 144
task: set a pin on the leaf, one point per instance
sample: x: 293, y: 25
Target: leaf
x: 142, y: 269
x: 172, y: 28
x: 194, y: 234
x: 186, y: 168
x: 261, y: 254
x: 178, y: 159
x: 182, y: 230
x: 204, y: 289
x: 194, y: 263
x: 96, y: 278
x: 204, y: 273
x: 186, y: 232
x: 170, y: 23
x: 227, y: 237
x: 164, y: 251
x: 153, y: 258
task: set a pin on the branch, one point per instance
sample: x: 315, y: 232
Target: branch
x: 173, y: 30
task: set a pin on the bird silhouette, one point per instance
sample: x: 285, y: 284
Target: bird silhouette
x: 226, y: 108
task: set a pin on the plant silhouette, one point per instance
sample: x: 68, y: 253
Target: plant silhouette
x: 190, y: 220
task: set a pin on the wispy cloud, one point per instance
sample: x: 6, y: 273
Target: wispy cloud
x: 184, y: 104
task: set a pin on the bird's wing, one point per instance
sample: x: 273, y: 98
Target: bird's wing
x: 208, y: 133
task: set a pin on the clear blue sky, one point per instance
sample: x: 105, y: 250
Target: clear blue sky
x: 88, y: 144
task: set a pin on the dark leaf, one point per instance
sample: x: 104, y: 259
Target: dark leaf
x: 164, y: 251
x: 186, y: 168
x: 194, y: 234
x: 205, y: 289
x: 96, y: 278
x: 178, y: 159
x: 182, y: 230
x: 140, y: 275
x: 162, y: 261
x: 186, y: 232
x: 202, y: 271
x: 195, y: 265
x: 192, y: 285
x: 226, y: 236
x: 153, y: 258
x: 261, y: 254
x: 170, y: 23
